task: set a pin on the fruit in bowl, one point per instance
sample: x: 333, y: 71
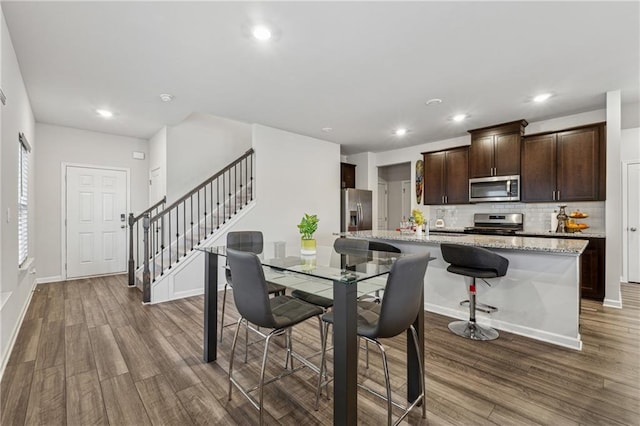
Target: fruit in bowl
x: 578, y: 215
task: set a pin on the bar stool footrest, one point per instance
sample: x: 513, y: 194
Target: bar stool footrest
x: 472, y: 330
x: 487, y: 309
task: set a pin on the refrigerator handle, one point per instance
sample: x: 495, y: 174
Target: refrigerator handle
x: 359, y: 207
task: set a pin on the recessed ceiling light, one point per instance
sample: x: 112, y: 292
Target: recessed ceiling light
x: 327, y: 129
x: 459, y: 117
x: 400, y: 132
x: 104, y: 113
x: 542, y: 97
x: 261, y: 32
x: 166, y: 97
x: 434, y: 101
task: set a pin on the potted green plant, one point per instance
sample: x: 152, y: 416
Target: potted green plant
x: 307, y: 226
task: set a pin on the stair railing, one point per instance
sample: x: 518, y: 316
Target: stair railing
x: 189, y: 220
x: 135, y: 233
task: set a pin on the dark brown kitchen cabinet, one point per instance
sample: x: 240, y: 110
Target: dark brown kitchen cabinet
x: 446, y: 176
x: 495, y: 150
x: 347, y: 175
x: 592, y: 269
x: 564, y: 166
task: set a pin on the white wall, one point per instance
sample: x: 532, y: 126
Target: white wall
x: 16, y: 116
x: 630, y: 144
x: 199, y: 147
x: 158, y: 160
x: 57, y: 145
x: 295, y: 174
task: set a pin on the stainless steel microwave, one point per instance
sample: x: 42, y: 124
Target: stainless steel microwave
x: 495, y: 188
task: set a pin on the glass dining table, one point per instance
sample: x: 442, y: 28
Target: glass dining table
x: 344, y: 277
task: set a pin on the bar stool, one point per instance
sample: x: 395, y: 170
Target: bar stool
x: 474, y: 262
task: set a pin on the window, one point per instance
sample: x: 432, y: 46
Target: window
x: 23, y: 199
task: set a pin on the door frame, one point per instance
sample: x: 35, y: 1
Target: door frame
x: 625, y: 218
x: 63, y: 208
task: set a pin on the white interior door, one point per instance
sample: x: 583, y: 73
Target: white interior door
x: 96, y: 206
x: 383, y: 205
x: 406, y: 199
x: 633, y: 218
x: 156, y: 191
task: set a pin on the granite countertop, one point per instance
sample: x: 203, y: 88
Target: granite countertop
x: 563, y: 245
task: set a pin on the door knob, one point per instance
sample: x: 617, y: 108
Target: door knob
x: 122, y: 226
x: 633, y: 229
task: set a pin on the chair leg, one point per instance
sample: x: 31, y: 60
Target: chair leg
x: 387, y: 383
x: 323, y: 367
x: 246, y: 340
x: 421, y: 368
x: 289, y: 357
x: 224, y: 300
x: 262, y: 371
x: 233, y: 349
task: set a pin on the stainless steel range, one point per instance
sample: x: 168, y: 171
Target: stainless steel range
x: 496, y: 224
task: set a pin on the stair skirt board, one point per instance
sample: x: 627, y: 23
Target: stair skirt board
x: 185, y: 278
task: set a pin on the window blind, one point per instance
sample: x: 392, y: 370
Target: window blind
x: 23, y: 199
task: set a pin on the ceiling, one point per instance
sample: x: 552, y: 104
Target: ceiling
x: 360, y: 68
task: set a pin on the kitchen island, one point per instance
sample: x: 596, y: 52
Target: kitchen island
x: 539, y: 297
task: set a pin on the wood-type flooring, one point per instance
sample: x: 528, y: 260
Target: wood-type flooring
x: 88, y: 352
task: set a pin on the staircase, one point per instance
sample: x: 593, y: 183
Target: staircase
x: 162, y: 237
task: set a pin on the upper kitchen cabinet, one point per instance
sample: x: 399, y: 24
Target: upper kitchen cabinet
x: 495, y: 150
x: 446, y: 176
x: 565, y: 166
x: 347, y: 175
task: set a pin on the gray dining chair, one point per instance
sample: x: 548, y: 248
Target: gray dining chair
x: 249, y: 241
x: 280, y: 314
x: 395, y: 314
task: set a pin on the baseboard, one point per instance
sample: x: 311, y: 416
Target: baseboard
x: 16, y: 330
x: 544, y: 336
x: 51, y: 279
x: 610, y: 303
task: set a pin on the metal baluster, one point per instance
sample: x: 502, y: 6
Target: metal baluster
x: 205, y: 210
x: 251, y: 176
x: 224, y: 216
x: 184, y: 227
x: 177, y: 234
x: 235, y: 189
x: 198, y: 217
x: 153, y: 257
x: 137, y: 244
x: 169, y: 234
x: 246, y: 183
x: 191, y: 223
x: 162, y: 244
x: 228, y: 203
x: 212, y: 205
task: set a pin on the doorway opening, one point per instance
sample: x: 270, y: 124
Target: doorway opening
x: 396, y: 205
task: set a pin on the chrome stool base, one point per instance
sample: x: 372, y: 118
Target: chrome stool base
x: 473, y: 331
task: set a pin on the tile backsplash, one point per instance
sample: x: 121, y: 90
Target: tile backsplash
x: 537, y: 217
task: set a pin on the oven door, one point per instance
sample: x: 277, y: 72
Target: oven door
x: 496, y: 188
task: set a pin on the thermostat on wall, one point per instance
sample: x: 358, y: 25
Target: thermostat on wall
x: 138, y: 155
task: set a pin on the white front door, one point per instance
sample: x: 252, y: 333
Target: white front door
x: 383, y: 209
x: 633, y: 218
x: 96, y: 200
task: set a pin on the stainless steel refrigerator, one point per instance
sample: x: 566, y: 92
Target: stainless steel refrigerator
x: 356, y: 209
